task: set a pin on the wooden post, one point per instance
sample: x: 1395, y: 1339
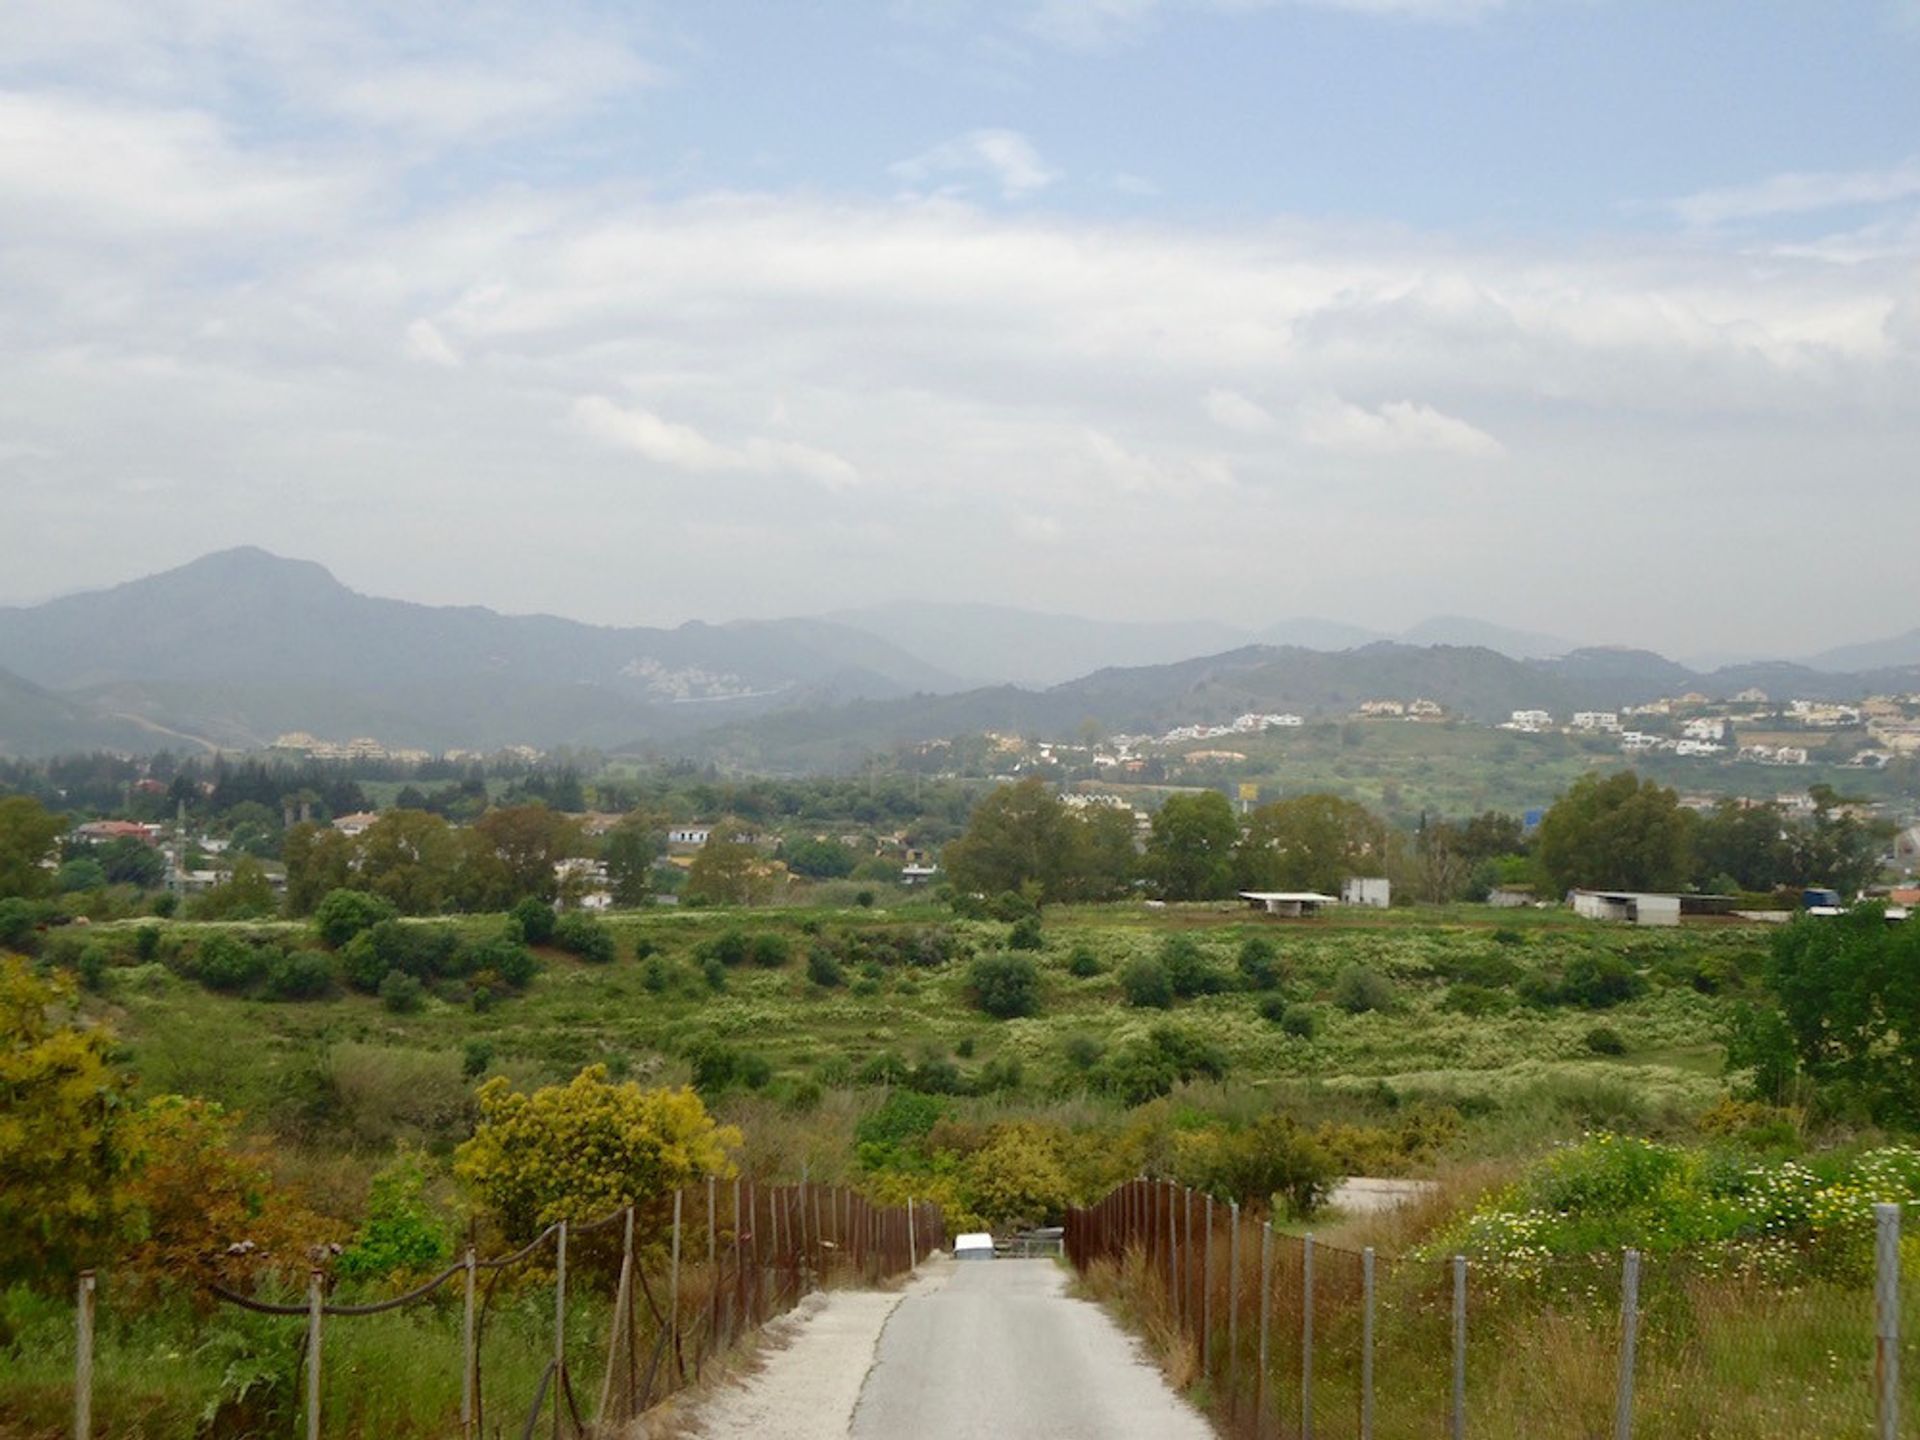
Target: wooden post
x: 314, y: 1301
x: 913, y: 1240
x: 467, y: 1357
x: 1173, y: 1256
x: 1366, y: 1343
x: 622, y: 1293
x: 713, y: 1270
x: 1886, y: 1330
x: 83, y: 1359
x: 673, y: 1282
x: 1629, y: 1338
x: 1206, y: 1292
x: 739, y: 1270
x: 1233, y: 1301
x: 1186, y: 1256
x: 1266, y: 1321
x: 1306, y: 1339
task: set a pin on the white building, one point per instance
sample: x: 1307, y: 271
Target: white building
x: 1530, y: 720
x: 1291, y: 904
x: 1598, y: 720
x: 1704, y: 729
x: 1697, y: 747
x: 1374, y: 892
x: 689, y: 834
x: 1627, y: 906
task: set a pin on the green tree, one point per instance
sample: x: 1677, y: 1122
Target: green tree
x: 409, y: 857
x: 128, y: 861
x: 28, y: 835
x: 1016, y: 1178
x: 344, y: 913
x: 1005, y: 986
x: 1836, y: 848
x: 1848, y: 988
x: 629, y: 852
x: 1190, y: 852
x: 1101, y: 861
x: 62, y: 1142
x: 510, y: 852
x: 246, y: 894
x: 819, y: 859
x: 1743, y: 841
x: 1620, y: 833
x: 730, y: 871
x: 1309, y: 842
x: 319, y: 860
x: 1017, y: 836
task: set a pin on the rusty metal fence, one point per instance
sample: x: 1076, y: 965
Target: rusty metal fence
x: 730, y: 1258
x: 1286, y: 1336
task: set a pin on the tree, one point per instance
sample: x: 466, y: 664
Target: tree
x: 1848, y: 988
x: 730, y: 871
x: 819, y: 859
x: 1620, y: 833
x: 128, y: 861
x: 1835, y: 848
x: 83, y: 872
x: 63, y: 1146
x: 409, y: 858
x: 1017, y: 836
x: 584, y: 1149
x: 345, y: 913
x: 1270, y: 1161
x: 1016, y: 1178
x: 1743, y: 842
x: 1101, y: 859
x: 27, y: 838
x: 629, y: 851
x: 1309, y: 842
x: 246, y: 894
x: 1190, y: 852
x: 319, y: 860
x: 510, y: 853
x: 1005, y: 986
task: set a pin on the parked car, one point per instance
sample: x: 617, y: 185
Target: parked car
x: 976, y: 1245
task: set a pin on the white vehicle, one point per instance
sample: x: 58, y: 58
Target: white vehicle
x: 975, y: 1246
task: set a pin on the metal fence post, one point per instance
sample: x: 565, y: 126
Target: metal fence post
x: 673, y: 1284
x: 313, y: 1354
x: 1459, y: 1347
x: 1629, y: 1335
x: 466, y: 1348
x: 83, y: 1359
x: 913, y: 1240
x: 559, y: 1325
x: 1886, y: 1329
x: 1306, y: 1339
x: 1366, y: 1343
x: 1173, y: 1256
x: 1266, y: 1321
x: 1233, y: 1299
x: 1206, y: 1290
x: 1186, y: 1257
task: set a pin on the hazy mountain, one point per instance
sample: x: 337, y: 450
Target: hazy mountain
x: 1001, y: 644
x: 1895, y: 653
x: 34, y: 721
x: 242, y: 645
x: 1310, y: 632
x: 1463, y: 630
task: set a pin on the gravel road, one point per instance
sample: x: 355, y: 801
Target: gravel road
x: 990, y: 1350
x: 1000, y: 1352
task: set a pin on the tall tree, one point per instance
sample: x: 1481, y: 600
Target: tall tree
x: 629, y: 851
x: 1017, y: 836
x: 409, y: 857
x: 1620, y: 833
x: 1309, y: 842
x: 28, y: 835
x: 1191, y: 850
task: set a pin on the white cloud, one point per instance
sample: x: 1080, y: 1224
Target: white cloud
x: 1398, y: 427
x: 1799, y: 193
x: 1090, y: 24
x: 681, y: 447
x: 1005, y: 157
x: 425, y: 342
x: 1235, y: 411
x: 467, y: 98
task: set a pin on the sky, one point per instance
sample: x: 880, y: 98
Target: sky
x: 1599, y: 317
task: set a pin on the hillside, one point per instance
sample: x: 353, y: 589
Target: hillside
x: 36, y: 722
x: 242, y: 645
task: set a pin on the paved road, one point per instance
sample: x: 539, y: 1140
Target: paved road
x: 999, y: 1352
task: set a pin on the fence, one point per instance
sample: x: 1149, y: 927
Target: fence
x: 730, y: 1258
x: 1289, y: 1337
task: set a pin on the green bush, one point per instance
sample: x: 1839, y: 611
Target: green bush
x: 1259, y: 963
x: 1144, y: 982
x: 1300, y: 1021
x: 343, y: 914
x: 1000, y: 1075
x: 1356, y: 990
x: 935, y: 1074
x: 401, y: 993
x: 1604, y: 1040
x: 771, y: 950
x: 511, y: 962
x: 1083, y: 1051
x: 901, y: 1119
x: 714, y: 972
x: 91, y: 966
x: 1475, y: 1000
x: 580, y: 934
x: 18, y: 918
x: 822, y: 968
x: 532, y: 920
x: 226, y: 962
x: 1005, y: 986
x: 475, y: 1058
x: 300, y: 975
x: 1189, y: 973
x: 1148, y: 1068
x: 1599, y: 982
x: 730, y: 947
x: 1026, y: 934
x: 146, y: 943
x: 403, y: 1233
x: 1084, y: 963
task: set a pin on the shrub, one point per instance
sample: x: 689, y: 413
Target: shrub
x: 91, y: 966
x: 586, y: 1148
x: 902, y: 1118
x: 17, y: 920
x: 1272, y: 1008
x: 1148, y: 1068
x: 864, y: 899
x: 1476, y: 1000
x: 822, y: 968
x: 1026, y: 934
x: 1083, y: 1051
x: 1084, y: 963
x: 146, y: 943
x: 1010, y: 905
x: 226, y: 962
x: 1144, y: 982
x: 343, y: 914
x: 935, y: 1074
x: 886, y: 1068
x: 580, y: 934
x: 1272, y: 1160
x: 475, y: 1059
x: 1002, y: 1073
x: 1005, y: 986
x: 531, y: 920
x: 770, y: 951
x: 509, y: 960
x: 1188, y: 971
x: 730, y: 947
x: 422, y: 951
x: 401, y: 993
x: 403, y: 1233
x: 300, y: 975
x: 1259, y: 963
x: 1356, y: 990
x: 1604, y: 1040
x: 656, y: 974
x: 1599, y: 982
x: 1300, y: 1021
x: 714, y: 972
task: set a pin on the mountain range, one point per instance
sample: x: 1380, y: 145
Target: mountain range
x: 241, y: 646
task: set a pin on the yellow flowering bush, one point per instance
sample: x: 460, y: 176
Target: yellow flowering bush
x: 584, y: 1149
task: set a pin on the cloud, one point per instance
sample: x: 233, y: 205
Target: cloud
x: 1399, y: 427
x: 681, y: 447
x: 464, y: 99
x: 425, y: 342
x: 1235, y: 411
x: 1094, y: 24
x: 1005, y: 157
x: 1800, y: 193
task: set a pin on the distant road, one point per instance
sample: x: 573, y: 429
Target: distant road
x: 1000, y: 1352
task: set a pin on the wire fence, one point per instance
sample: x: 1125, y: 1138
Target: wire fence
x: 669, y: 1296
x: 1285, y: 1336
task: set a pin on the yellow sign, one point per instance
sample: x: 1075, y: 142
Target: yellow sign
x: 1249, y: 792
